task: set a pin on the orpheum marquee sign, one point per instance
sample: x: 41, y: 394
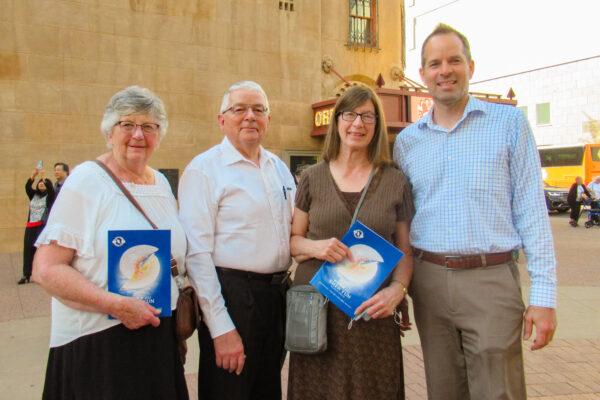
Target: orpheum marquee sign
x: 401, y: 107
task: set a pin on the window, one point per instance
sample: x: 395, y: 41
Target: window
x: 524, y: 110
x: 172, y: 176
x: 561, y: 157
x: 287, y: 5
x: 542, y: 113
x: 414, y: 34
x: 363, y: 23
x: 595, y: 153
x: 299, y: 160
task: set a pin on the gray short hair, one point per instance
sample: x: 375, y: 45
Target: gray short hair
x: 130, y: 101
x: 243, y: 85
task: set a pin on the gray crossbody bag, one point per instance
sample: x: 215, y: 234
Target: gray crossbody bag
x: 306, y: 309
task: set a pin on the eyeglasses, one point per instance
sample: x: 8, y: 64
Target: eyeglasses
x: 366, y: 117
x: 239, y: 110
x: 129, y: 127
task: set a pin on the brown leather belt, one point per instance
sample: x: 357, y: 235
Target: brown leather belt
x: 464, y: 261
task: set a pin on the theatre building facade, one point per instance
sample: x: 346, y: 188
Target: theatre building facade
x: 60, y: 62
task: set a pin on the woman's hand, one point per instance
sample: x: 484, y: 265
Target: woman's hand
x: 383, y: 303
x: 34, y: 174
x: 135, y: 313
x: 331, y: 250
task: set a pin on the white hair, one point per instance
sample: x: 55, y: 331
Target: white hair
x: 131, y: 101
x: 243, y: 85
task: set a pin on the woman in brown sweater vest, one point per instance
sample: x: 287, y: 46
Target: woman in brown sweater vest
x: 364, y: 362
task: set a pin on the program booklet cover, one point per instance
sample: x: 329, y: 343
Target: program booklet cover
x: 348, y: 284
x: 139, y: 265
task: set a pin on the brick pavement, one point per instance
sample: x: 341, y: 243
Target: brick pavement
x: 565, y: 370
x: 569, y: 369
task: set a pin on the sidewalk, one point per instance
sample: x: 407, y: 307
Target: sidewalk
x: 568, y: 369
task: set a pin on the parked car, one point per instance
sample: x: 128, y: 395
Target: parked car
x: 556, y: 198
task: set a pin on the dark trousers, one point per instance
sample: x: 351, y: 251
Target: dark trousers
x: 257, y: 308
x: 575, y: 210
x: 31, y: 235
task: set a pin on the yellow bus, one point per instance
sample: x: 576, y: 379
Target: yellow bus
x: 561, y: 164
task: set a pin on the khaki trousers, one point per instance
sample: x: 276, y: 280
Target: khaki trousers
x: 470, y: 323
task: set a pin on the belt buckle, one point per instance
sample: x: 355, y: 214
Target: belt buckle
x: 447, y: 258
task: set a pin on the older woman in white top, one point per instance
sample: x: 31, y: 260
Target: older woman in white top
x: 132, y: 355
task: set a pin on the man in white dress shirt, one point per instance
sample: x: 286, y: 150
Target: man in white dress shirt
x: 236, y: 202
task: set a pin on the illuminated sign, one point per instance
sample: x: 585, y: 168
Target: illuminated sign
x: 419, y: 106
x: 401, y: 107
x: 323, y: 117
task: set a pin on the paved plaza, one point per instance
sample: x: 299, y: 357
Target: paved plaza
x: 568, y: 369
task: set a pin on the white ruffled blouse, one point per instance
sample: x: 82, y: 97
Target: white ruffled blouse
x: 89, y: 205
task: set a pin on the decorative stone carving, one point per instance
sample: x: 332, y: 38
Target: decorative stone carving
x: 396, y: 73
x: 327, y: 64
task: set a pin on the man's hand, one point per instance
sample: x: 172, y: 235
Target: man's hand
x: 545, y: 323
x: 229, y: 352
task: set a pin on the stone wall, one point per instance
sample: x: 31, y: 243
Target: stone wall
x: 60, y: 62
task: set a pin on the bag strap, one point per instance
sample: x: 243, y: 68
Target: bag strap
x: 362, y: 196
x: 127, y: 193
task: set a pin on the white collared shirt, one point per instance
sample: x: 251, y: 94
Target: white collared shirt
x: 235, y: 215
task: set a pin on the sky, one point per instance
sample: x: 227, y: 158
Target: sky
x: 509, y: 36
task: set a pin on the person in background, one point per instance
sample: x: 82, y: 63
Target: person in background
x: 594, y: 189
x: 104, y: 345
x: 61, y: 171
x: 578, y: 194
x: 41, y: 198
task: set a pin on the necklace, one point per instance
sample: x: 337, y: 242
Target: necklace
x: 146, y: 177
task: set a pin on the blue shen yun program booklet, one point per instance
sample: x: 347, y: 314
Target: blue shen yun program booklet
x: 348, y: 284
x: 139, y: 265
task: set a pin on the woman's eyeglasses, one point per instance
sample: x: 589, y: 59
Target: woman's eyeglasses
x: 366, y: 117
x: 147, y: 128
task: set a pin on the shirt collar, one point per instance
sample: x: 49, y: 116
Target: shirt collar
x: 231, y: 155
x: 473, y: 106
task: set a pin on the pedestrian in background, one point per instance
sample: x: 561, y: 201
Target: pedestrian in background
x: 61, y: 171
x: 578, y: 195
x: 41, y: 197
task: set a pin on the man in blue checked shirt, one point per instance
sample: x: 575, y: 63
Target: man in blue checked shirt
x: 478, y: 194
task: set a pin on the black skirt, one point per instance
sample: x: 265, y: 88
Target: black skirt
x: 118, y: 363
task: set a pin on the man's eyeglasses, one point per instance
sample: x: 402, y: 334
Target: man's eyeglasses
x: 366, y: 117
x: 147, y: 128
x: 239, y: 110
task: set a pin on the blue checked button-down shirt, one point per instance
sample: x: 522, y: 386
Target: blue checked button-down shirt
x: 478, y: 188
